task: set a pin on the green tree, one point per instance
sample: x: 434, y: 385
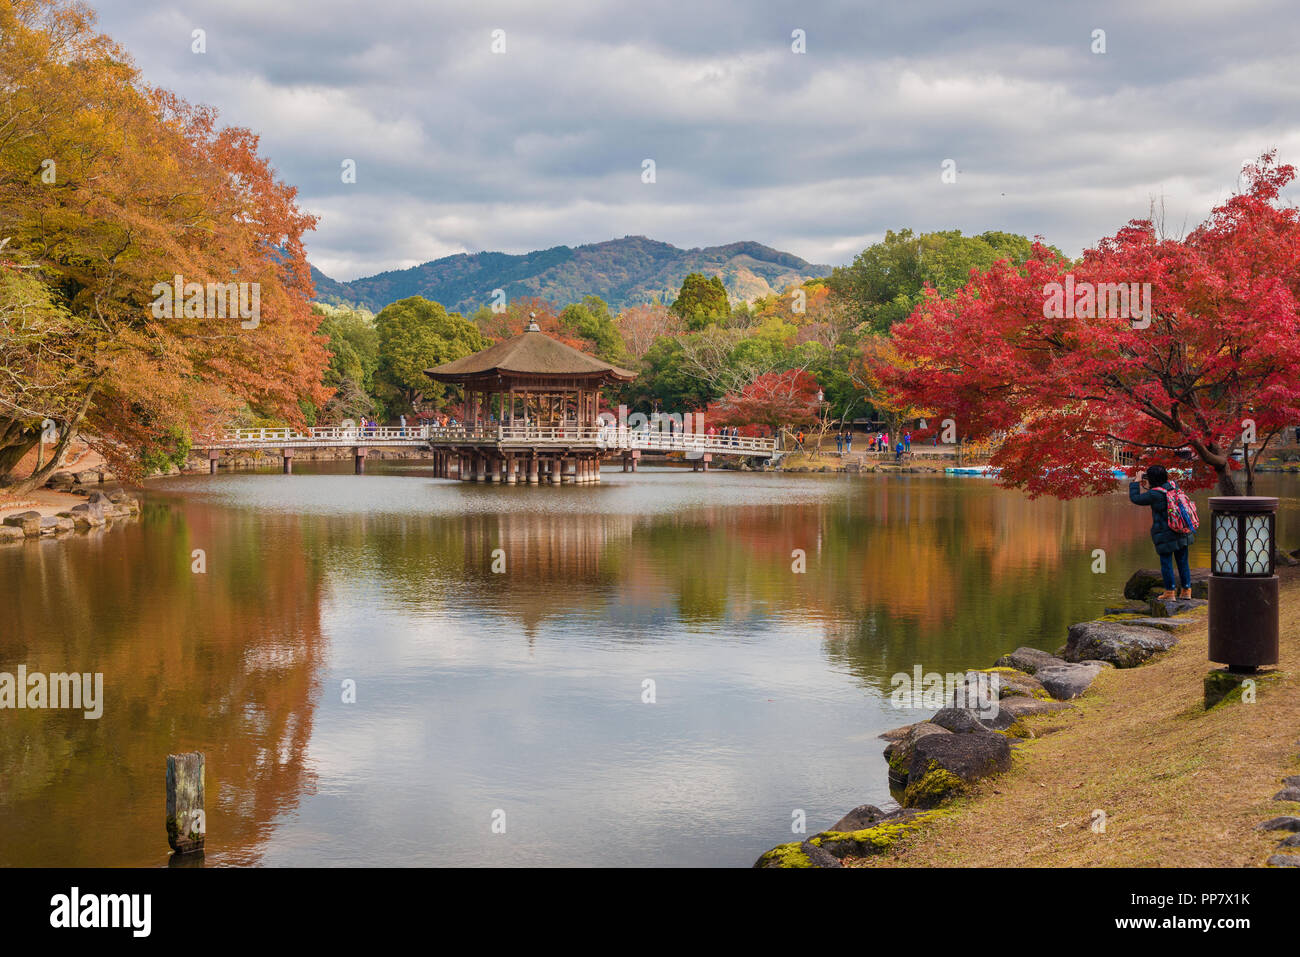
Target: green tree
x: 591, y: 321
x: 665, y: 381
x: 353, y: 360
x: 702, y: 301
x: 416, y: 334
x: 886, y: 281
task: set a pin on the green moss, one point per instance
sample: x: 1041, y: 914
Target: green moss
x: 935, y: 786
x: 1225, y: 688
x: 785, y: 855
x: 871, y: 840
x: 1017, y: 729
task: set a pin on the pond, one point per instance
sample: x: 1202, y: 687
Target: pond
x: 393, y: 669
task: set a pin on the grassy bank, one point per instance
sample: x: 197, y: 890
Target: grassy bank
x: 1180, y: 787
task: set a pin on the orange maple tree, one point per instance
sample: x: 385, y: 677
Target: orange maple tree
x: 109, y: 189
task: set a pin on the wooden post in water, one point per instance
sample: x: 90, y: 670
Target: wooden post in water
x: 186, y: 820
x: 213, y: 455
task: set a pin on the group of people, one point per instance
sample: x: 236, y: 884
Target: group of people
x: 733, y: 433
x: 880, y: 442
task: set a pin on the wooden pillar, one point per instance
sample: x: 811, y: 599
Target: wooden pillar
x: 532, y: 468
x: 568, y: 470
x: 186, y: 819
x: 480, y: 467
x: 288, y: 460
x: 359, y: 460
x: 511, y: 476
x: 595, y: 470
x: 213, y: 455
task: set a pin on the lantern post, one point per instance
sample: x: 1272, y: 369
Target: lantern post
x: 1243, y: 583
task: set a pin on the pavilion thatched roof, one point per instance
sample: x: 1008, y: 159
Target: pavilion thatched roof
x: 528, y: 354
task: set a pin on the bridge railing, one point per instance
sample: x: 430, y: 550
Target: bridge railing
x: 606, y: 437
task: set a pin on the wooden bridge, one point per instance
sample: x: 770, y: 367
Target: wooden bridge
x: 502, y: 453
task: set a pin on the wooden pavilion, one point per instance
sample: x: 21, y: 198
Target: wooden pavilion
x: 532, y: 407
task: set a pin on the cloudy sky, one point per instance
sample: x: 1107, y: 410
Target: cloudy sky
x: 459, y: 148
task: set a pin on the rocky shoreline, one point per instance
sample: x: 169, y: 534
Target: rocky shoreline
x: 100, y: 509
x: 937, y: 760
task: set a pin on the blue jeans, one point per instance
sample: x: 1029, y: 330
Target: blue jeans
x: 1167, y: 569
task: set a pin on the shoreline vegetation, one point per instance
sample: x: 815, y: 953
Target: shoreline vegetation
x: 1171, y: 764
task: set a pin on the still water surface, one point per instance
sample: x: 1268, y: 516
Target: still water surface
x: 521, y: 691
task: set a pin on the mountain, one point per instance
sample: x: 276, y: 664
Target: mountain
x: 623, y: 272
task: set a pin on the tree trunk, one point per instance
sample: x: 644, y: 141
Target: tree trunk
x: 15, y: 442
x: 1227, y: 484
x: 39, y: 476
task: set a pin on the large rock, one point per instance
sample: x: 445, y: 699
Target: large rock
x: 29, y: 522
x: 898, y: 754
x: 1168, y: 608
x: 1028, y: 660
x: 1064, y: 681
x: 969, y: 720
x: 1286, y: 823
x: 1122, y: 644
x: 943, y: 765
x: 1147, y: 583
x: 865, y: 815
x: 1172, y: 625
x: 1028, y: 707
x: 11, y: 533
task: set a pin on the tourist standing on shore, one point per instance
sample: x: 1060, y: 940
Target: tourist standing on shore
x: 848, y: 441
x: 907, y: 441
x: 1155, y: 490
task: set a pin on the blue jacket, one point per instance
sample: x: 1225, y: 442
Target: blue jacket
x: 1167, y: 540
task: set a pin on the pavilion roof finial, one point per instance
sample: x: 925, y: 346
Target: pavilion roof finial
x: 532, y: 323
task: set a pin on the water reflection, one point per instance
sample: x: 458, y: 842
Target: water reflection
x: 500, y: 640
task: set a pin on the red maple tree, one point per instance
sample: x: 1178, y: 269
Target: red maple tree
x: 774, y: 400
x: 1038, y: 354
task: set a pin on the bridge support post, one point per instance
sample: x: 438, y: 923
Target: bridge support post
x: 480, y: 467
x: 213, y: 455
x: 532, y: 468
x: 287, y: 455
x: 705, y: 459
x: 359, y: 460
x: 635, y: 456
x: 568, y: 471
x: 595, y: 470
x: 512, y: 475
